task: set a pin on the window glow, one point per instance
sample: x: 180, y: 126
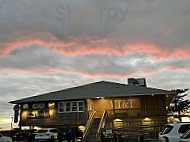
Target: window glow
x: 51, y: 105
x: 25, y: 106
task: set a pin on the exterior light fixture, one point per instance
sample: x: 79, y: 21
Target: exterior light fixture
x: 147, y: 118
x: 51, y: 105
x: 117, y: 120
x: 82, y: 128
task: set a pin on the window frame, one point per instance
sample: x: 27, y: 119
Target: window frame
x: 24, y: 108
x: 71, y: 106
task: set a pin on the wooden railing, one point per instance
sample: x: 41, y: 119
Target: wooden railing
x: 88, y: 125
x: 131, y: 133
x: 102, y: 124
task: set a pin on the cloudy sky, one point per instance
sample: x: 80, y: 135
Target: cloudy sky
x: 54, y: 44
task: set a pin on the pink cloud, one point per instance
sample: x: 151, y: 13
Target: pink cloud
x: 173, y: 68
x: 84, y: 45
x: 90, y: 75
x: 97, y: 74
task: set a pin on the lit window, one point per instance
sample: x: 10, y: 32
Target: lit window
x: 71, y: 106
x: 25, y: 106
x: 38, y: 106
x: 51, y: 105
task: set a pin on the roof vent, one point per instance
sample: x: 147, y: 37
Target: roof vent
x: 137, y: 81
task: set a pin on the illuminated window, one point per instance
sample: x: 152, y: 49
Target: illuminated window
x: 51, y: 105
x: 25, y: 106
x: 38, y: 106
x: 71, y: 106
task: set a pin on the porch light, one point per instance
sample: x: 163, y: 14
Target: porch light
x: 82, y: 128
x: 51, y: 105
x: 147, y: 119
x: 117, y: 120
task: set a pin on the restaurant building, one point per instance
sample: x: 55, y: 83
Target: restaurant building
x: 112, y: 106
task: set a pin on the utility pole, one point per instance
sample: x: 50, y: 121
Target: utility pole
x: 11, y: 123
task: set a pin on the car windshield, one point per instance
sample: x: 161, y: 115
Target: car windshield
x: 42, y: 131
x: 186, y: 135
x: 167, y: 129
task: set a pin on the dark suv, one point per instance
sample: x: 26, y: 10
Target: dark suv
x: 64, y: 134
x: 24, y: 135
x: 69, y: 133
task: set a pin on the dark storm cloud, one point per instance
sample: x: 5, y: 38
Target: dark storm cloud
x: 163, y: 23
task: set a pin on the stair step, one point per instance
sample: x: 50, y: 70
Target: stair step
x: 92, y: 134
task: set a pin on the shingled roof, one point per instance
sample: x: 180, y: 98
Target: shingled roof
x: 92, y: 90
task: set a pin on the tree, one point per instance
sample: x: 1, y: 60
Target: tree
x: 179, y: 105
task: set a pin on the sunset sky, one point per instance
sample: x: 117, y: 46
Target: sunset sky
x: 54, y: 44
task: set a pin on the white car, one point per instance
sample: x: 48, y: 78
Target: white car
x: 46, y: 134
x: 173, y: 132
x: 186, y: 137
x: 5, y: 138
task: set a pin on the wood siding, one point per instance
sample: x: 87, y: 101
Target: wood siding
x: 56, y: 119
x: 153, y: 105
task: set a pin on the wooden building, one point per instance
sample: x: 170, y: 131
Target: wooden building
x: 111, y: 105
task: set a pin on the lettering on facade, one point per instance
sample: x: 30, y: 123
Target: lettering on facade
x: 126, y: 103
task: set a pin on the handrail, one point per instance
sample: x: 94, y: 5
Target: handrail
x: 102, y: 123
x: 88, y: 125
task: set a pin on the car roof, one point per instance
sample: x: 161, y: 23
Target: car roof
x: 181, y: 123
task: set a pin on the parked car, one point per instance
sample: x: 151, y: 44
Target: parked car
x: 20, y: 135
x: 173, y: 132
x: 69, y: 133
x: 186, y: 137
x: 31, y: 135
x: 5, y: 138
x: 24, y: 135
x: 63, y: 134
x: 46, y: 134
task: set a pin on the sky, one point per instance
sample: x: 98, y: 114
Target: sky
x: 54, y: 44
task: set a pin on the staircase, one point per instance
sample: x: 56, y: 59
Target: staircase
x: 93, y: 131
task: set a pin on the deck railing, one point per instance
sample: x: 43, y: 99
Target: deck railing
x: 88, y: 125
x: 102, y: 124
